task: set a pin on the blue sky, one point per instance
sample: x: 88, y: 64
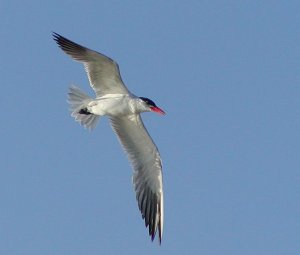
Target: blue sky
x: 226, y: 73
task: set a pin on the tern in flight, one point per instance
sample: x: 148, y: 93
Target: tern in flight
x: 123, y: 109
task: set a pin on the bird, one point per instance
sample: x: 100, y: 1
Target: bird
x: 123, y: 109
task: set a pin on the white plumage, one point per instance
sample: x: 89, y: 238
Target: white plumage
x: 123, y: 108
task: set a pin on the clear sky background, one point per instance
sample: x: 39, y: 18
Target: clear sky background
x: 226, y: 72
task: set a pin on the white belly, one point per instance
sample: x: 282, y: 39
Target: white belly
x: 112, y: 105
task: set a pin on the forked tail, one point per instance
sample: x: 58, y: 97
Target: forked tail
x: 79, y: 101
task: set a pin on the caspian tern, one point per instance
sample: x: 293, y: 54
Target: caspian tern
x: 123, y: 109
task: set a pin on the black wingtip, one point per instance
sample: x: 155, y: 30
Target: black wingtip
x: 59, y: 39
x: 160, y: 234
x: 56, y: 36
x: 69, y: 47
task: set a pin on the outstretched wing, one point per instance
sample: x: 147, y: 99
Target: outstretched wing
x: 103, y: 72
x: 147, y: 169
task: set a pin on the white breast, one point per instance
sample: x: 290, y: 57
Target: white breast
x: 112, y: 105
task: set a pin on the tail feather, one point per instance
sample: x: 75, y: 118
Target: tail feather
x: 78, y: 101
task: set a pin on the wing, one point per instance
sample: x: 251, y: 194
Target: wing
x: 103, y: 72
x: 147, y: 169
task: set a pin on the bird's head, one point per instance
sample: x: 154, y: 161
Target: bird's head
x: 151, y: 106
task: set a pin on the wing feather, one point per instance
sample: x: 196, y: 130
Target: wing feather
x: 147, y: 169
x: 103, y: 72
